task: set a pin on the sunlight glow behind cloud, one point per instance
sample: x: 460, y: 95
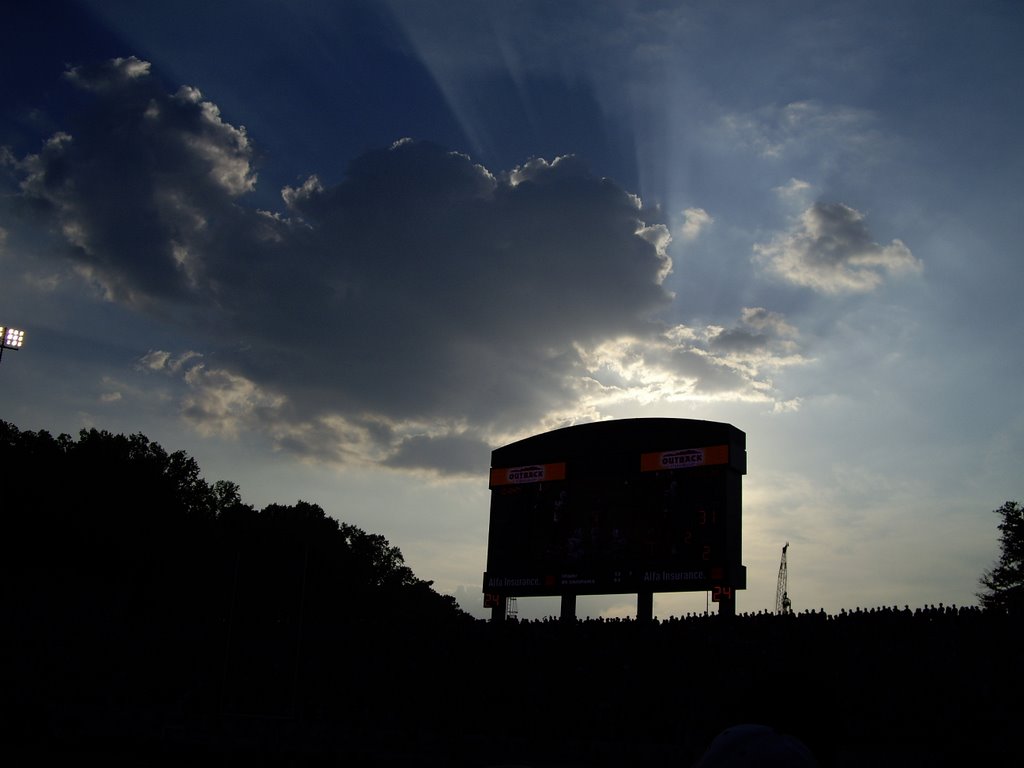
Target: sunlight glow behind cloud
x: 523, y: 297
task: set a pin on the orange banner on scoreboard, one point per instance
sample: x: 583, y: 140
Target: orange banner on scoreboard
x: 532, y: 473
x: 684, y: 458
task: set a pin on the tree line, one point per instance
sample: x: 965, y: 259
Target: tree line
x: 142, y: 599
x: 1003, y: 583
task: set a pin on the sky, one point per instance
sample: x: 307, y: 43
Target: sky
x: 340, y: 251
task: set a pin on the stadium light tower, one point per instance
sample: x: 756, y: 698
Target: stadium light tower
x: 10, y: 338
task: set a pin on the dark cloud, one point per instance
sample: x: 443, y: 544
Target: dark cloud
x: 447, y: 454
x: 412, y: 314
x: 450, y: 291
x: 142, y: 186
x: 421, y: 289
x: 758, y: 332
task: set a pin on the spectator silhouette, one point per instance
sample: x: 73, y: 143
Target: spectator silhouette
x: 755, y: 746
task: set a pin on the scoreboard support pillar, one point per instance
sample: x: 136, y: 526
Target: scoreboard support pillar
x: 568, y: 608
x: 645, y: 606
x: 727, y: 608
x: 499, y: 609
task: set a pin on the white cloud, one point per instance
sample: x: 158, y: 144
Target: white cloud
x: 224, y: 403
x: 683, y: 363
x: 223, y: 147
x: 794, y: 191
x: 294, y: 196
x: 830, y: 250
x: 695, y: 220
x: 160, y: 361
x: 109, y: 75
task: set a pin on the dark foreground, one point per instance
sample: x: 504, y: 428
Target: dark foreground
x: 931, y: 687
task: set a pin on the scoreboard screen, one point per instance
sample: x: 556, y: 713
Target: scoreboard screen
x: 620, y: 509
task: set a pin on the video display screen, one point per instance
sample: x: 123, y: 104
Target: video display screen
x: 665, y: 521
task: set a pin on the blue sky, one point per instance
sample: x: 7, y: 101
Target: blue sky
x: 340, y: 251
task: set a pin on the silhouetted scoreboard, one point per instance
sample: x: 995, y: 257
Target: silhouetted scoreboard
x: 633, y: 505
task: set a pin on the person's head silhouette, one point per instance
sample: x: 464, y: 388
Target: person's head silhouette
x: 756, y: 746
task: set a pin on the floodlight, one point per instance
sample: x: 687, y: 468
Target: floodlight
x: 13, y: 338
x: 10, y: 338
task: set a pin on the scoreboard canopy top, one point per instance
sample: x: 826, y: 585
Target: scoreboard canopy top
x: 600, y: 440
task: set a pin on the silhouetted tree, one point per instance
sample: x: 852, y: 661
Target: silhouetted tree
x: 139, y: 597
x: 1004, y: 582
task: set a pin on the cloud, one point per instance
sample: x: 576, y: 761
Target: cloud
x: 142, y: 186
x: 420, y: 309
x: 794, y: 191
x: 799, y: 128
x: 160, y: 360
x: 109, y: 75
x: 831, y: 251
x: 695, y: 220
x: 224, y: 403
x: 701, y: 364
x: 447, y: 454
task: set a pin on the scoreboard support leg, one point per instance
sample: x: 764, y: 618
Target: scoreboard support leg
x: 498, y: 609
x: 727, y: 607
x: 568, y: 608
x: 645, y: 606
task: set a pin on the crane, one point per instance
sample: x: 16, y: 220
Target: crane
x: 782, y: 602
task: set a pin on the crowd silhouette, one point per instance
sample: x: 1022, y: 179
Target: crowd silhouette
x: 889, y: 686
